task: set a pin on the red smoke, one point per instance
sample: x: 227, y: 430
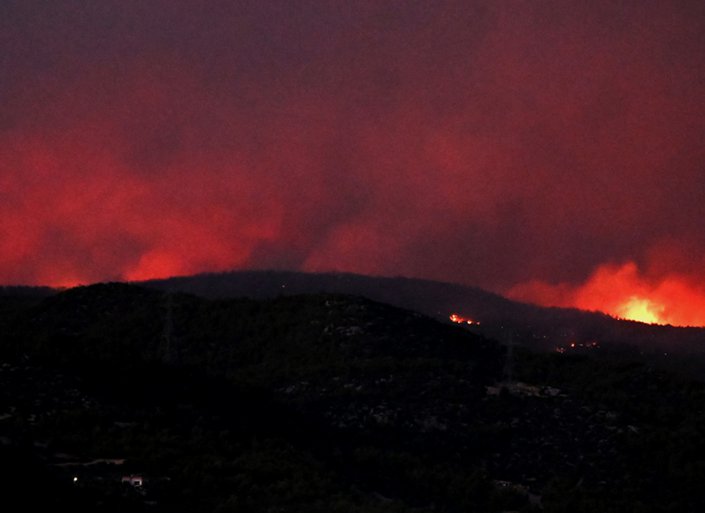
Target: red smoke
x: 485, y: 143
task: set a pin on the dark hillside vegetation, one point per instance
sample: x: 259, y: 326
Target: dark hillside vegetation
x: 539, y: 328
x: 327, y: 402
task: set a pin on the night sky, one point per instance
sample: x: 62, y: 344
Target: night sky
x: 551, y: 151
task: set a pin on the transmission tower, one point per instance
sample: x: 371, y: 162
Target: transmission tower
x: 509, y: 363
x: 168, y: 329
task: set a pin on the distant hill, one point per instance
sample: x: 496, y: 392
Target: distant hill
x: 538, y: 327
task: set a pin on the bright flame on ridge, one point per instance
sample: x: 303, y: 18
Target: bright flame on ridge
x: 642, y: 310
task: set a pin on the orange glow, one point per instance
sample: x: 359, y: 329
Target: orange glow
x: 66, y: 284
x: 624, y: 292
x: 642, y: 310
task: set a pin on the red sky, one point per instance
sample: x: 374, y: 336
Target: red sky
x: 548, y: 150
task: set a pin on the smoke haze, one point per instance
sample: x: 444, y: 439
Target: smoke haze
x: 548, y: 150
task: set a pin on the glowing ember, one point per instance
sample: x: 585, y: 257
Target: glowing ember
x: 459, y: 319
x: 578, y: 346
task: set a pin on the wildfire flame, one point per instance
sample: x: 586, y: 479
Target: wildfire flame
x: 626, y: 293
x: 459, y: 319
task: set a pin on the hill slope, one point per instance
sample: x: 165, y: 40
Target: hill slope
x: 326, y: 403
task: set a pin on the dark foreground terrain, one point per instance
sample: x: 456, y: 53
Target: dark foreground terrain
x: 117, y: 398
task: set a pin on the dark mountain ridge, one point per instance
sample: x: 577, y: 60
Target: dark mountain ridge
x: 542, y: 328
x: 538, y: 327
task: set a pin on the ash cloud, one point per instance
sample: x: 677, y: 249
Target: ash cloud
x: 497, y: 144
